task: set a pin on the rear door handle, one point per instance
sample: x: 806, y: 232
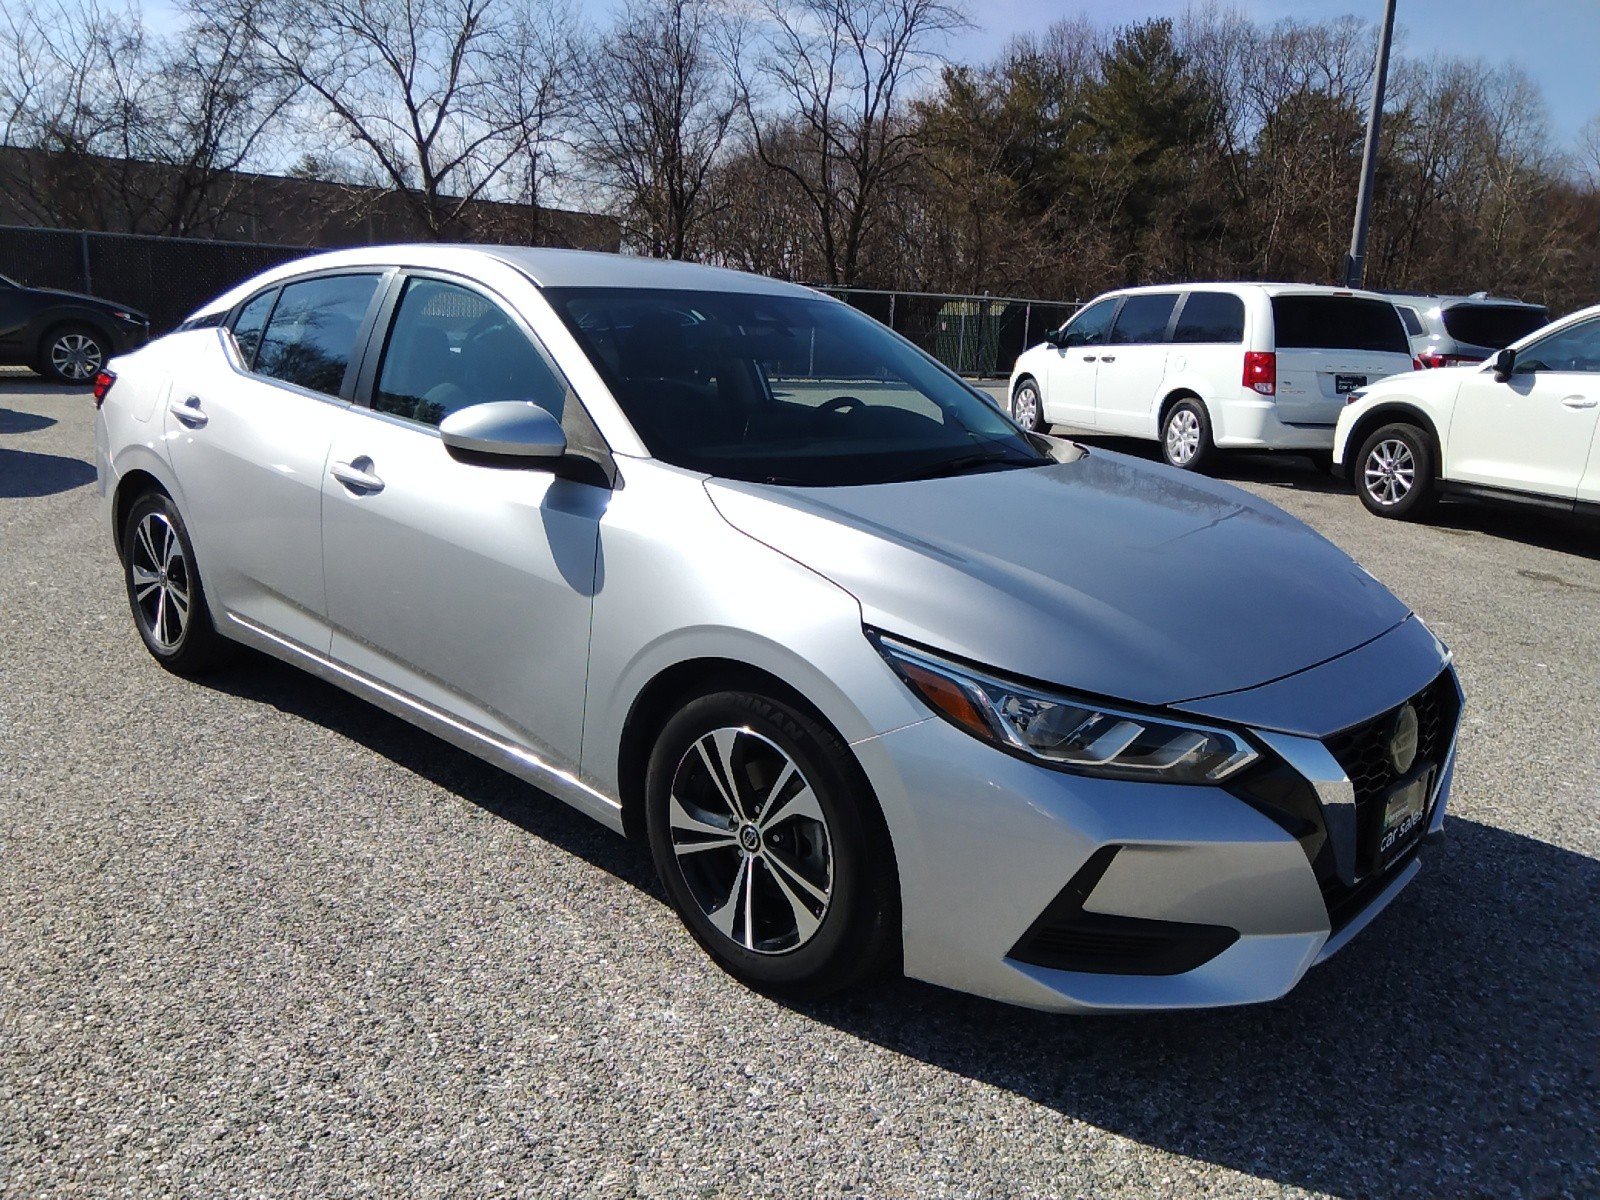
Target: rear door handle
x: 1108, y: 358
x: 355, y: 476
x: 1579, y: 401
x: 189, y: 412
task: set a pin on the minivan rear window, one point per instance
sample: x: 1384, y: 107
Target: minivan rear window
x: 1493, y: 325
x: 1337, y: 323
x: 1210, y: 317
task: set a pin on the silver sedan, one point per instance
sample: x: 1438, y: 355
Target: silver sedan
x: 883, y: 681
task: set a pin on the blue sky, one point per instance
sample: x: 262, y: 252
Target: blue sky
x: 1556, y: 41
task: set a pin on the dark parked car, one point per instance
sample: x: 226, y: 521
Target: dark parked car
x: 64, y: 335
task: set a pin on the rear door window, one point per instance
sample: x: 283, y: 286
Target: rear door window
x: 311, y: 335
x: 1337, y: 323
x: 1143, y: 319
x: 1210, y: 317
x: 1492, y: 325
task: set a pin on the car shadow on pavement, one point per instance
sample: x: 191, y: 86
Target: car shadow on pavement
x: 23, y: 473
x: 1453, y: 1048
x: 12, y: 421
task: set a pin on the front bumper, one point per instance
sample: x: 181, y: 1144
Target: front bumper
x: 996, y: 856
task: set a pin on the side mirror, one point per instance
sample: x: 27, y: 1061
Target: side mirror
x: 517, y: 431
x: 1056, y: 338
x: 1504, y: 363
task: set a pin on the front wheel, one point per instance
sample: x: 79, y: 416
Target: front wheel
x: 1186, y: 436
x: 769, y: 845
x: 1027, y: 409
x: 1394, y: 473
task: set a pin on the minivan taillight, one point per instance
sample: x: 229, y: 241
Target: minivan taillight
x: 102, y: 385
x: 1432, y: 358
x: 1261, y: 371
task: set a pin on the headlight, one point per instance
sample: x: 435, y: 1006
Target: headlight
x: 1070, y: 733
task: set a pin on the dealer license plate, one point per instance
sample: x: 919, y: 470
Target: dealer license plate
x: 1343, y: 384
x: 1404, y: 813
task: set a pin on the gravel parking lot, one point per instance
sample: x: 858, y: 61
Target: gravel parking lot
x: 257, y: 938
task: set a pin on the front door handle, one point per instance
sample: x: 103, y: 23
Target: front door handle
x: 189, y: 412
x: 357, y: 475
x: 1579, y: 401
x: 1088, y: 358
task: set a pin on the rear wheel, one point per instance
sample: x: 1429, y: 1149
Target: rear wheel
x: 72, y: 354
x: 769, y: 845
x: 1186, y: 436
x: 1027, y: 409
x: 164, y: 589
x: 1394, y: 473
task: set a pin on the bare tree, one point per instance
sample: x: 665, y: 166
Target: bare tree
x: 130, y: 131
x: 658, y: 111
x: 446, y: 97
x: 837, y: 73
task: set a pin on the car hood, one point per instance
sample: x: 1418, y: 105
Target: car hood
x: 85, y: 298
x: 1105, y: 574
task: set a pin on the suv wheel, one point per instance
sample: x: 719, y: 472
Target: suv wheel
x: 1394, y: 473
x: 769, y: 845
x: 1186, y: 436
x: 1027, y: 409
x: 72, y: 354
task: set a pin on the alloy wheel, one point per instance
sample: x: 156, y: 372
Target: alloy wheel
x: 1183, y: 436
x: 1389, y: 472
x: 161, y: 581
x: 75, y: 356
x: 751, y: 841
x: 1025, y: 408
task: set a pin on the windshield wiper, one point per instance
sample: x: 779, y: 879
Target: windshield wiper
x: 970, y: 462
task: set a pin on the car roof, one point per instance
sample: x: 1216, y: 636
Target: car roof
x: 1269, y: 289
x: 1445, y: 300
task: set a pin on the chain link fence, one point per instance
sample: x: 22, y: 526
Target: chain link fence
x: 978, y: 336
x: 168, y: 278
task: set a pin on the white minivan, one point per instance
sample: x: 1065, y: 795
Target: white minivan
x: 1207, y: 366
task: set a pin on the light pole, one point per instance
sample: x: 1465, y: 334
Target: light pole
x: 1355, y: 263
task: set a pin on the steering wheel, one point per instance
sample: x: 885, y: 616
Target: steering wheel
x: 841, y: 404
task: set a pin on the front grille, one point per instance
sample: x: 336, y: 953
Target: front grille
x: 1363, y: 751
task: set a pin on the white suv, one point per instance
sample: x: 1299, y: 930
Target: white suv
x: 1522, y: 426
x: 1207, y: 366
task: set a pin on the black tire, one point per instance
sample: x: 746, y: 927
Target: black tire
x: 1186, y: 436
x: 1027, y: 407
x: 1394, y: 473
x: 72, y: 354
x: 845, y: 857
x: 159, y: 572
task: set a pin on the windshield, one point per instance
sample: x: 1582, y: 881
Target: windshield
x: 784, y: 389
x: 1492, y: 325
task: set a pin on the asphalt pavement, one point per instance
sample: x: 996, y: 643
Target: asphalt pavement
x: 258, y: 939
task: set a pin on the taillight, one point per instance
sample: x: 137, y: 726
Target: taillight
x: 102, y: 385
x: 1432, y: 358
x: 1261, y: 371
x: 1416, y: 363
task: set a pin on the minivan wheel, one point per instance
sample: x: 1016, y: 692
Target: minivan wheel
x: 761, y: 829
x: 72, y: 354
x: 1186, y: 436
x: 1027, y: 409
x: 164, y: 589
x: 1394, y: 473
